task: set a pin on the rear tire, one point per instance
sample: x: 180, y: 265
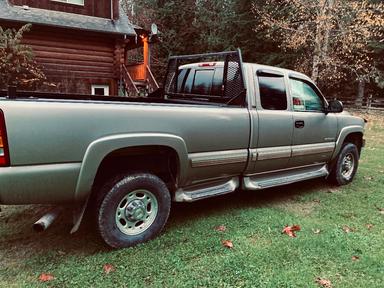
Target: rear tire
x: 346, y: 164
x: 132, y: 209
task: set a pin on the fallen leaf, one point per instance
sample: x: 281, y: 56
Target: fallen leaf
x: 348, y: 229
x: 227, y: 243
x: 381, y: 210
x: 108, y: 268
x: 290, y: 230
x: 316, y: 200
x: 61, y: 253
x: 316, y: 231
x: 221, y: 228
x: 369, y: 178
x: 45, y: 277
x: 369, y: 226
x: 355, y: 258
x: 324, y: 282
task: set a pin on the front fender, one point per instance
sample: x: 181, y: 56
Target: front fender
x: 343, y: 134
x: 100, y: 148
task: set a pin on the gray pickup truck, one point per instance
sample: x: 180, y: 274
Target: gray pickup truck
x: 216, y: 125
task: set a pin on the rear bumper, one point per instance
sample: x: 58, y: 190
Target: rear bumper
x: 39, y: 184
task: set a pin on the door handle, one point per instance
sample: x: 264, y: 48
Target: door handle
x: 299, y: 124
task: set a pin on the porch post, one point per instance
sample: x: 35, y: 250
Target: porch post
x: 147, y: 55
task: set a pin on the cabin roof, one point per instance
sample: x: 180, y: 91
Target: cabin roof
x: 21, y: 14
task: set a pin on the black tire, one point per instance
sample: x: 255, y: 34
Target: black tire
x: 132, y: 209
x: 346, y: 164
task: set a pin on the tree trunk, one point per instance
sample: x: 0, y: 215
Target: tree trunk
x: 327, y: 29
x: 318, y: 43
x: 315, y: 66
x: 322, y: 37
x: 360, y: 93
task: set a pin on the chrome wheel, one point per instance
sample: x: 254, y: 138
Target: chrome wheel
x: 136, y: 212
x: 348, y: 166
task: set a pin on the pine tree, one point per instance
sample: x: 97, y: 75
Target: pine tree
x: 17, y: 64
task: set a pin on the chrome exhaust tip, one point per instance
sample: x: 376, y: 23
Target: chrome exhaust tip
x: 44, y: 222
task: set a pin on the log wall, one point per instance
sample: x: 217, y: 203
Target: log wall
x: 75, y: 61
x: 97, y: 8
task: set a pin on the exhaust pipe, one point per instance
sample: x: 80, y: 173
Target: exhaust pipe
x: 44, y: 222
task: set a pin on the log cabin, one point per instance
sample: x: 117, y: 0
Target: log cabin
x: 83, y: 46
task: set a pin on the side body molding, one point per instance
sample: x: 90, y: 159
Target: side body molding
x: 100, y: 148
x: 343, y: 134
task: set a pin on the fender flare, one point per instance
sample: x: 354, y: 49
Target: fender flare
x: 101, y: 147
x: 343, y: 134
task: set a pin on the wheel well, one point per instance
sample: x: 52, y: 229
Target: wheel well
x: 355, y: 138
x: 161, y: 161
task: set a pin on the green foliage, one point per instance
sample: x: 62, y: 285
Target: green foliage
x: 17, y: 64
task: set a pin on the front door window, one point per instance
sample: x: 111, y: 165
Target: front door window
x: 304, y: 97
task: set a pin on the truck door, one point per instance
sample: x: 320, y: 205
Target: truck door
x: 273, y: 122
x: 314, y: 133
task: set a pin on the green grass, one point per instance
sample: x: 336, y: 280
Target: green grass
x: 189, y: 252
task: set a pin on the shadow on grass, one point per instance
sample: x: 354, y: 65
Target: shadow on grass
x: 18, y: 238
x: 242, y: 199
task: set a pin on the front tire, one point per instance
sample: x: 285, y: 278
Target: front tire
x: 346, y: 165
x: 132, y: 209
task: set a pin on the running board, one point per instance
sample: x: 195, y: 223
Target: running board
x: 201, y: 192
x: 262, y: 181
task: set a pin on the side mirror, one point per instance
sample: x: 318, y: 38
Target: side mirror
x: 335, y: 106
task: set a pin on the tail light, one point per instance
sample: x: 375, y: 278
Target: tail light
x: 207, y: 64
x: 4, y: 153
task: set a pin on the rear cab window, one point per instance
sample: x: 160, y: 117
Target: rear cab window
x: 201, y: 81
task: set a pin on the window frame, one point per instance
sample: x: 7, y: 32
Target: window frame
x: 314, y: 88
x: 68, y: 2
x: 106, y: 88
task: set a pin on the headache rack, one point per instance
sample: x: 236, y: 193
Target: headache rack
x: 232, y: 90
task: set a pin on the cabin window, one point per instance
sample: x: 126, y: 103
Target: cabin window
x: 100, y: 90
x: 76, y: 2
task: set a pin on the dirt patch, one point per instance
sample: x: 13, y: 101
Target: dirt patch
x: 296, y: 207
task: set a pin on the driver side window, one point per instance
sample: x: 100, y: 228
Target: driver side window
x: 304, y: 97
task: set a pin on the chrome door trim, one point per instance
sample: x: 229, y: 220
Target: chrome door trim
x: 206, y: 159
x: 274, y: 153
x: 253, y: 153
x: 308, y: 149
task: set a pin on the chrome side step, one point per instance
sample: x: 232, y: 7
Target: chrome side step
x: 201, y: 192
x: 262, y: 181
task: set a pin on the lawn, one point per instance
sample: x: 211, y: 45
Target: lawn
x: 341, y: 239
